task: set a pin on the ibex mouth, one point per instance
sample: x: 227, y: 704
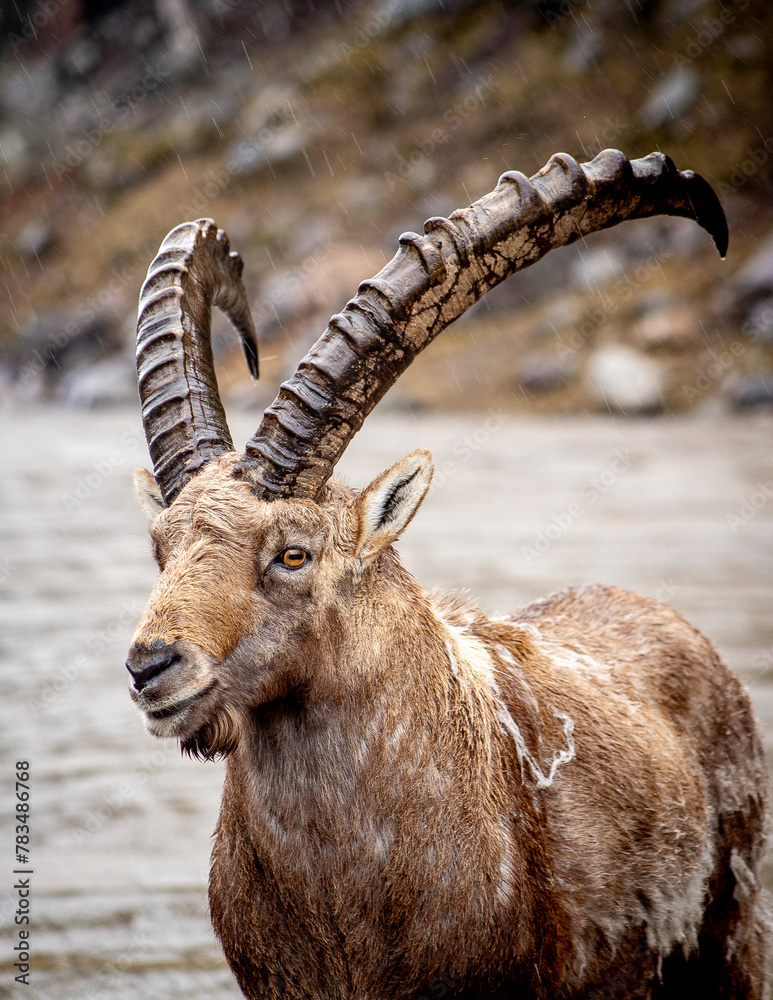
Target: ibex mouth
x: 179, y: 706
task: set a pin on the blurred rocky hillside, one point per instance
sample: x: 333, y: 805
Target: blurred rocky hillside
x: 316, y: 131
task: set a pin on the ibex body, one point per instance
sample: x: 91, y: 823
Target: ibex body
x: 420, y: 801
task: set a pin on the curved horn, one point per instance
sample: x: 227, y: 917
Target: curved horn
x: 183, y: 417
x: 432, y: 280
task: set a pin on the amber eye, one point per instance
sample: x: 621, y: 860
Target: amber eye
x: 293, y: 558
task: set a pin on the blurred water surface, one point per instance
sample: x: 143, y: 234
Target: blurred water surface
x: 121, y: 824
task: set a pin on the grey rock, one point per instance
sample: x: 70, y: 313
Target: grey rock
x: 598, y: 266
x: 672, y: 97
x: 250, y: 156
x: 625, y: 380
x: 103, y: 171
x: 561, y: 312
x: 758, y: 321
x: 751, y: 294
x: 82, y: 58
x: 395, y: 13
x: 184, y: 54
x: 747, y: 47
x: 13, y: 150
x: 755, y: 279
x: 34, y: 239
x: 545, y: 372
x: 752, y: 391
x: 109, y: 382
x: 679, y: 11
x: 31, y: 90
x: 585, y: 48
x: 675, y: 327
x: 52, y: 345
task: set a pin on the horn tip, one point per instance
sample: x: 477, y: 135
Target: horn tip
x: 252, y: 360
x: 709, y: 213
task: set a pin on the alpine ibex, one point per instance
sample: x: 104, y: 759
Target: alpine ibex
x: 420, y: 801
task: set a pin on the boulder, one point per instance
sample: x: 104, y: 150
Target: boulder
x: 752, y: 391
x: 34, y: 239
x: 758, y: 321
x: 674, y: 328
x: 672, y: 96
x: 754, y: 280
x: 273, y: 148
x: 624, y: 380
x: 53, y: 345
x: 109, y: 382
x: 545, y: 372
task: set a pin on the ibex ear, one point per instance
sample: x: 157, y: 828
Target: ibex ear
x: 385, y: 508
x: 148, y: 493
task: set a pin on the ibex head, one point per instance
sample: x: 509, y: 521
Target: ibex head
x: 261, y: 556
x: 249, y: 605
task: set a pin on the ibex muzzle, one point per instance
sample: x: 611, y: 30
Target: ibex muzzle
x: 146, y: 661
x: 568, y: 802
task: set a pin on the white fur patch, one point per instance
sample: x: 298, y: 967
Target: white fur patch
x: 676, y: 913
x: 469, y: 656
x: 396, y: 738
x: 560, y: 757
x: 580, y: 663
x: 505, y: 655
x: 530, y: 630
x: 745, y: 881
x: 506, y: 882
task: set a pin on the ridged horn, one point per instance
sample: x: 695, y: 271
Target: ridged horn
x: 183, y: 417
x: 435, y: 278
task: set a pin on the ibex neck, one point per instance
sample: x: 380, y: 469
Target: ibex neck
x: 350, y: 807
x: 376, y: 715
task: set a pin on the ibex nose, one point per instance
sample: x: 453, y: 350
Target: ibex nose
x: 146, y: 662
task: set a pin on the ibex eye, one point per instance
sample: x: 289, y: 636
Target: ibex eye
x: 293, y: 558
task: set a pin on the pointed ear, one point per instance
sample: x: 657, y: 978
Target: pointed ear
x: 384, y: 509
x: 148, y: 493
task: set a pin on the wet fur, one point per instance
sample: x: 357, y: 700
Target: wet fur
x: 420, y: 801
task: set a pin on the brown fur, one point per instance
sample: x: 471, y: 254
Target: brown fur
x: 420, y: 801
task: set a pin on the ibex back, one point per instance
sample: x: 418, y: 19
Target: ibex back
x: 420, y: 801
